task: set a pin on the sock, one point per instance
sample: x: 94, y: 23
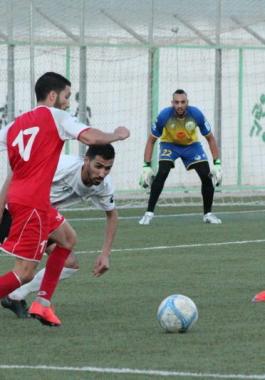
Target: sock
x: 53, y: 271
x: 34, y: 285
x: 8, y: 282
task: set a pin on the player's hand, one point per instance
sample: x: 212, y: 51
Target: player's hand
x: 147, y: 176
x: 122, y: 133
x: 101, y: 265
x: 217, y: 173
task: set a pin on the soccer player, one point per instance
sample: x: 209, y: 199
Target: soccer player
x: 176, y: 126
x: 34, y: 142
x: 75, y: 179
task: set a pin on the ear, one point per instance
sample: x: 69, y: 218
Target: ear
x: 52, y: 96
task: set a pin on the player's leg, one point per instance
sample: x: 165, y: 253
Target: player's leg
x: 207, y: 190
x: 65, y: 238
x: 16, y: 301
x: 18, y: 307
x: 156, y: 189
x: 166, y: 163
x: 26, y: 241
x: 5, y: 225
x: 194, y: 157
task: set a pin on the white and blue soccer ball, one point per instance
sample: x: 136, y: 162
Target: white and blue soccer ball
x: 177, y: 313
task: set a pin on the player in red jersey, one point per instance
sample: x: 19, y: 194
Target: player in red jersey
x: 34, y: 142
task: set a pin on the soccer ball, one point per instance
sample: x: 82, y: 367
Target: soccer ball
x: 177, y: 313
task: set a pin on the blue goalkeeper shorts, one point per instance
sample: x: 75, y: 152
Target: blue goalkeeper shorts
x: 190, y: 154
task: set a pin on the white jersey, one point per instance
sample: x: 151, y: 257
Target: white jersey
x: 68, y: 188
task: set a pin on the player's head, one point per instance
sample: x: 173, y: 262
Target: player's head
x: 179, y: 102
x: 53, y: 90
x: 97, y: 163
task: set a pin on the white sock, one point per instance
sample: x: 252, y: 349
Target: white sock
x: 34, y: 285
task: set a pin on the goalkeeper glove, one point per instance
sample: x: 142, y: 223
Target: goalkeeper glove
x: 147, y: 176
x: 216, y: 172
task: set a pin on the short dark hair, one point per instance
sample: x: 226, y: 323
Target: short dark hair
x: 48, y: 82
x: 106, y: 151
x: 179, y: 92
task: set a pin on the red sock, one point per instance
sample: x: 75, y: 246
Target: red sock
x: 54, y: 266
x: 8, y: 282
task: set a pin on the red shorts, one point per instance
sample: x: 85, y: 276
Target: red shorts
x: 28, y: 234
x: 55, y: 219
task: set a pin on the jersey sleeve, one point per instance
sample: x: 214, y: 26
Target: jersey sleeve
x: 158, y: 125
x: 104, y: 199
x: 202, y: 122
x: 69, y: 127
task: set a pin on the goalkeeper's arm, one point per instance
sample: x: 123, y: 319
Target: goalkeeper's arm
x: 216, y: 171
x: 148, y: 175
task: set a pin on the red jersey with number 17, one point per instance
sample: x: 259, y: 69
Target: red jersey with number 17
x: 34, y: 143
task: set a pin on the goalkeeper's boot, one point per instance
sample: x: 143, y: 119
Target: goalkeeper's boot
x: 20, y: 308
x: 260, y: 297
x: 146, y: 219
x: 44, y: 314
x: 211, y: 218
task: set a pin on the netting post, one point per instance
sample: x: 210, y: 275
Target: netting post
x: 10, y: 68
x: 154, y: 89
x: 32, y: 69
x: 67, y: 74
x: 218, y: 83
x: 82, y: 76
x: 240, y: 117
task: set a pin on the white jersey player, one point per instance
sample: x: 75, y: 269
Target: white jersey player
x: 76, y: 179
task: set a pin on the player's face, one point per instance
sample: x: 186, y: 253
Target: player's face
x: 63, y: 99
x: 180, y: 103
x: 95, y: 170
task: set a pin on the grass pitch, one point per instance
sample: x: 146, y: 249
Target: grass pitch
x: 109, y: 326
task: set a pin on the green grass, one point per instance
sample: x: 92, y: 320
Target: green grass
x: 111, y: 321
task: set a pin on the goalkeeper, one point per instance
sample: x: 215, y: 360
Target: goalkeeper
x: 177, y: 126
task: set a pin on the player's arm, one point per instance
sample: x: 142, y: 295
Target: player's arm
x: 213, y: 145
x: 3, y: 193
x: 216, y: 171
x: 70, y: 128
x: 102, y: 262
x: 93, y: 136
x: 149, y: 147
x: 147, y: 175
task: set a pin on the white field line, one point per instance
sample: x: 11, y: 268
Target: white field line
x: 164, y: 216
x: 164, y: 247
x: 137, y: 372
x: 193, y: 245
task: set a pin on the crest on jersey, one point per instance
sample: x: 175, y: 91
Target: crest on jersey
x: 190, y: 126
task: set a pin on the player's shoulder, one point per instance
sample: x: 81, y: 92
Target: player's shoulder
x: 59, y: 114
x: 195, y: 112
x: 108, y: 181
x: 166, y: 113
x: 68, y: 163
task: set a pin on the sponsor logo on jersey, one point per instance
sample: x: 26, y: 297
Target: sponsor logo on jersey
x: 181, y: 135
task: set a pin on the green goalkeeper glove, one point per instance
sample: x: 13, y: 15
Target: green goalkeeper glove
x: 147, y: 176
x: 216, y: 172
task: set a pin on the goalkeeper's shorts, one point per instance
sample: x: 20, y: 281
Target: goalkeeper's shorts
x: 189, y: 154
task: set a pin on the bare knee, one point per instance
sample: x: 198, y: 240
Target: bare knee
x: 25, y: 270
